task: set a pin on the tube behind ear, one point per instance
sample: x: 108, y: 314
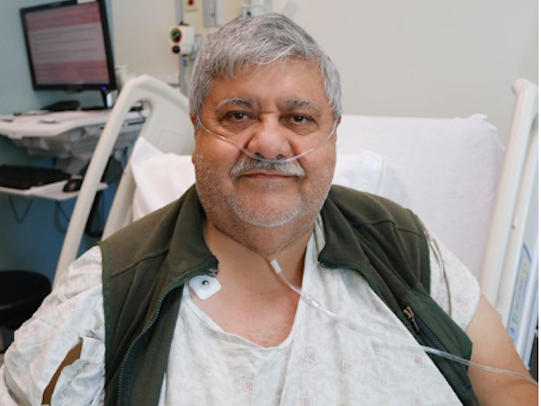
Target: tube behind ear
x: 258, y: 157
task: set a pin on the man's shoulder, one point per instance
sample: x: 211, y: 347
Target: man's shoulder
x: 382, y: 231
x: 177, y: 225
x: 145, y: 238
x: 144, y: 230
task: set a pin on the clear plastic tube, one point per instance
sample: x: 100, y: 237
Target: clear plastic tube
x: 315, y: 304
x: 259, y: 157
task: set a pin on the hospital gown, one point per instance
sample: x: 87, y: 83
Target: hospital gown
x: 367, y: 358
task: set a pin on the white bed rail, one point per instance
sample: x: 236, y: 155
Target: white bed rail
x: 169, y: 128
x: 514, y: 205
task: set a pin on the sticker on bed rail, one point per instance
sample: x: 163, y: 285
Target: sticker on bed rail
x: 519, y: 295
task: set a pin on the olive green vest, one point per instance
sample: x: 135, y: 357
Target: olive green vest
x: 146, y: 265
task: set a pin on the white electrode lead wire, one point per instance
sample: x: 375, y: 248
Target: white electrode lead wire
x: 314, y: 303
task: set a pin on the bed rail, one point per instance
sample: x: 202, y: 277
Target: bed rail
x: 510, y: 271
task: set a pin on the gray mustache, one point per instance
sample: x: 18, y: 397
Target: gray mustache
x: 291, y: 168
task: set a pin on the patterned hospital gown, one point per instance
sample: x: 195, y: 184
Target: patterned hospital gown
x: 366, y: 358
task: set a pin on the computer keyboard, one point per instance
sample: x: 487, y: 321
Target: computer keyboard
x: 25, y: 177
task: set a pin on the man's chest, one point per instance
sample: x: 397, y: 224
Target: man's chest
x: 367, y: 358
x: 262, y: 320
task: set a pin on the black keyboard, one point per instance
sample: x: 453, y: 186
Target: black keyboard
x: 25, y: 177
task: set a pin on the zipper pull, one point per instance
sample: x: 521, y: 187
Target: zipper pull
x: 411, y: 317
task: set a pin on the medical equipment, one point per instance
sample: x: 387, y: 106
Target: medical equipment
x: 311, y: 301
x: 307, y: 138
x: 256, y: 7
x: 213, y: 13
x: 432, y: 166
x: 510, y: 270
x: 69, y: 47
x: 204, y: 286
x: 70, y: 136
x: 182, y: 39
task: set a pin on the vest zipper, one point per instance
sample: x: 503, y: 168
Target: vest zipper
x: 435, y: 342
x: 418, y: 324
x: 145, y: 330
x: 411, y: 317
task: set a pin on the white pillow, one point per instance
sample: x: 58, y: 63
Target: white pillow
x: 161, y: 178
x: 360, y: 169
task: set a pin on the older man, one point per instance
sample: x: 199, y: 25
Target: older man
x: 198, y: 303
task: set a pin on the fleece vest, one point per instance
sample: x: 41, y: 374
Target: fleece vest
x: 146, y: 265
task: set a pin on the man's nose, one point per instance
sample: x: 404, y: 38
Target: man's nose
x: 269, y: 139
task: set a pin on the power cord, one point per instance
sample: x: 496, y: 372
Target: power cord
x: 18, y: 218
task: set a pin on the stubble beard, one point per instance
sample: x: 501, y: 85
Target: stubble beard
x: 287, y: 220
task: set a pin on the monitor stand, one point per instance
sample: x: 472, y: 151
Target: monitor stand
x: 108, y: 99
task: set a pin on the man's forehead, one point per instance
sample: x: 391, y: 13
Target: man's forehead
x: 289, y: 84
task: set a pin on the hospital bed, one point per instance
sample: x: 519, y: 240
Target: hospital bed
x: 446, y: 170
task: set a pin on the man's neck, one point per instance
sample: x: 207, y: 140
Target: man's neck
x: 247, y: 263
x: 254, y: 302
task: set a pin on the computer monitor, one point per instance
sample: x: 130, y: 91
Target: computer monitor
x: 69, y: 47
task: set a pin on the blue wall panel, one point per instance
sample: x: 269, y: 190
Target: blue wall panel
x: 35, y: 243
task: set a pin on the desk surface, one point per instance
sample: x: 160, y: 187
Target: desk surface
x: 52, y: 191
x: 55, y: 123
x: 67, y: 134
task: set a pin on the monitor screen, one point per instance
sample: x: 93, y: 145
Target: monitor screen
x: 68, y: 46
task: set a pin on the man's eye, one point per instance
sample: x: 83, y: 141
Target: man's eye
x: 300, y: 119
x: 237, y: 116
x: 236, y: 120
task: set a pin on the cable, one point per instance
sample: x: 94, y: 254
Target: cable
x: 15, y: 214
x: 468, y: 363
x: 315, y: 304
x: 60, y: 209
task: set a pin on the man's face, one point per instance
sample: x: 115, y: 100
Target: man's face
x: 275, y: 112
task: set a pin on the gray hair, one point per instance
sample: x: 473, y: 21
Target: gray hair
x: 262, y: 40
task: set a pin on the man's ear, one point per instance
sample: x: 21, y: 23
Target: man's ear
x: 193, y: 119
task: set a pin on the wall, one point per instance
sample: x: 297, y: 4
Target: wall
x: 415, y: 58
x: 397, y: 58
x: 142, y: 41
x: 35, y: 243
x: 428, y: 58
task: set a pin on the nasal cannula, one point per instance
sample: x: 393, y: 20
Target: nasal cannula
x: 311, y: 301
x: 306, y: 297
x: 259, y: 157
